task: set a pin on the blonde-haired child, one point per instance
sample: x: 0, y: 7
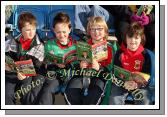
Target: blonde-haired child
x: 90, y: 89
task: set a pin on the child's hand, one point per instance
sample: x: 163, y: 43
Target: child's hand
x: 95, y: 65
x: 61, y: 65
x: 7, y: 67
x: 20, y: 76
x: 83, y: 64
x: 130, y: 85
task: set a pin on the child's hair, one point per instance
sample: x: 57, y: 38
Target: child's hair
x: 26, y: 17
x: 62, y: 17
x: 133, y: 29
x: 92, y: 21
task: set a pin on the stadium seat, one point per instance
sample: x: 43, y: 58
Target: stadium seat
x: 39, y: 11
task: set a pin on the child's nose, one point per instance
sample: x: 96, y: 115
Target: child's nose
x: 96, y: 31
x: 61, y: 35
x: 133, y: 39
x: 31, y: 33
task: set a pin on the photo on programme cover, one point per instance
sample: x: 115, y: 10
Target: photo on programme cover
x: 102, y: 55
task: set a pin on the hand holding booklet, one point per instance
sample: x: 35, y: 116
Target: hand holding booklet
x: 25, y: 67
x: 61, y: 58
x: 87, y: 52
x: 139, y: 77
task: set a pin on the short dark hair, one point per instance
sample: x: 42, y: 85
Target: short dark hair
x: 26, y: 17
x: 61, y: 17
x: 132, y: 29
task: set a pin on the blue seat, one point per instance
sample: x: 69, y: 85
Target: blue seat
x: 39, y: 11
x: 152, y: 79
x: 54, y: 9
x: 44, y: 15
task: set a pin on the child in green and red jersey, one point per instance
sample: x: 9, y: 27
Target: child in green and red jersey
x: 63, y: 47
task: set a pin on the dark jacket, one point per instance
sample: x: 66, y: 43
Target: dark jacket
x: 35, y: 52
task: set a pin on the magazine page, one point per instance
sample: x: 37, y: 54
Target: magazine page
x: 26, y: 67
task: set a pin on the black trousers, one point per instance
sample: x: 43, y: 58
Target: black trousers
x: 24, y: 90
x: 46, y: 94
x: 74, y: 93
x: 11, y: 85
x: 119, y: 96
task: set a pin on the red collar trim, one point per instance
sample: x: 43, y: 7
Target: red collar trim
x: 132, y: 53
x: 25, y: 43
x: 70, y: 43
x: 90, y: 41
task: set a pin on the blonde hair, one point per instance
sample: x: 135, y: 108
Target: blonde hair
x: 92, y: 21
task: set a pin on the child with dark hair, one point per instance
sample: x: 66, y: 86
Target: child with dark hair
x: 63, y: 46
x: 134, y: 57
x: 27, y: 46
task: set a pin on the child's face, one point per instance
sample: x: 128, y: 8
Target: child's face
x: 97, y: 33
x: 62, y: 31
x: 28, y: 31
x: 133, y: 42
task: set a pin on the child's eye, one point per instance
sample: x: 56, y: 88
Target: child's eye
x: 96, y: 29
x: 30, y: 29
x: 57, y: 32
x: 100, y: 29
x: 64, y: 32
x: 27, y: 30
x: 138, y: 37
